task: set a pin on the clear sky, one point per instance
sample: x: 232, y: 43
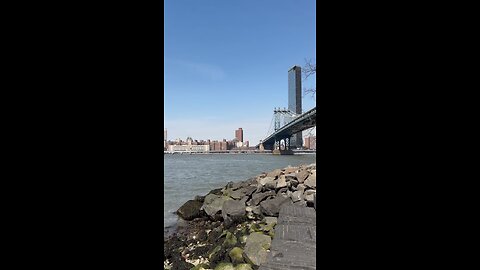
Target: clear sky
x: 226, y: 64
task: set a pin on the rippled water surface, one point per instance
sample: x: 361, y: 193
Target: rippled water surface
x: 186, y: 176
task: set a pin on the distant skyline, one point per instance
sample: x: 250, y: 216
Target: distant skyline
x: 226, y: 64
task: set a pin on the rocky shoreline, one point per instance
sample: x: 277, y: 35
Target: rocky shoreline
x: 231, y: 228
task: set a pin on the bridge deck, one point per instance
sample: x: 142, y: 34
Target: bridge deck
x: 294, y: 243
x: 302, y: 122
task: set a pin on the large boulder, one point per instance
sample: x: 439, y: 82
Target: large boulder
x: 250, y: 190
x: 271, y: 184
x: 302, y: 175
x: 258, y: 197
x: 237, y: 194
x: 264, y: 180
x: 240, y: 184
x: 233, y: 212
x: 190, y: 210
x: 255, y: 251
x: 297, y: 196
x: 213, y: 204
x: 272, y: 207
x: 274, y: 173
x: 282, y: 182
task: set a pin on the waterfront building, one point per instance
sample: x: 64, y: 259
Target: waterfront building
x: 239, y: 134
x: 223, y: 145
x: 189, y: 148
x: 295, y: 100
x: 310, y: 143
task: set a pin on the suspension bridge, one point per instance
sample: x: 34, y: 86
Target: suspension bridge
x: 286, y: 125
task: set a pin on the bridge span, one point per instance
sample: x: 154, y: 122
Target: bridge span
x: 302, y: 122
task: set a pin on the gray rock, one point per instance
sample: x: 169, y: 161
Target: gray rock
x: 250, y: 190
x: 271, y: 220
x: 210, y: 198
x: 310, y: 191
x: 282, y: 190
x: 256, y: 210
x: 255, y: 251
x: 272, y: 207
x: 311, y: 180
x: 302, y: 175
x: 297, y: 196
x: 258, y: 197
x: 263, y: 181
x: 237, y: 194
x: 270, y: 185
x: 213, y: 205
x: 282, y: 182
x: 274, y: 173
x: 190, y: 209
x: 290, y: 176
x: 243, y: 201
x: 240, y: 184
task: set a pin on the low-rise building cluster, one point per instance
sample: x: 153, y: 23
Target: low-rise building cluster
x: 190, y: 145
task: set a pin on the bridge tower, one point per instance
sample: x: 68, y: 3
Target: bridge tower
x: 295, y: 100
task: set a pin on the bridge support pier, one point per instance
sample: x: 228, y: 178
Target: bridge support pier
x: 261, y: 147
x: 277, y: 149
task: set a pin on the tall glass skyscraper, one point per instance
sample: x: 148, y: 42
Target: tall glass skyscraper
x: 295, y: 100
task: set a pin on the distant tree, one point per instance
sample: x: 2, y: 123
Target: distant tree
x: 308, y: 70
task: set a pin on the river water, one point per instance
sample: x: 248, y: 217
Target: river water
x: 186, y: 176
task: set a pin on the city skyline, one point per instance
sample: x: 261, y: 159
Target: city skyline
x: 219, y: 77
x: 305, y: 133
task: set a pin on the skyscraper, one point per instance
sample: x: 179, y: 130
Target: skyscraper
x: 295, y: 100
x: 239, y: 134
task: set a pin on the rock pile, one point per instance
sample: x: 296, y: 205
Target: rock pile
x: 232, y: 227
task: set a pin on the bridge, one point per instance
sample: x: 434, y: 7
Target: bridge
x: 292, y: 125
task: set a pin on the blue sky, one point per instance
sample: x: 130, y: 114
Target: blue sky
x: 226, y: 64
